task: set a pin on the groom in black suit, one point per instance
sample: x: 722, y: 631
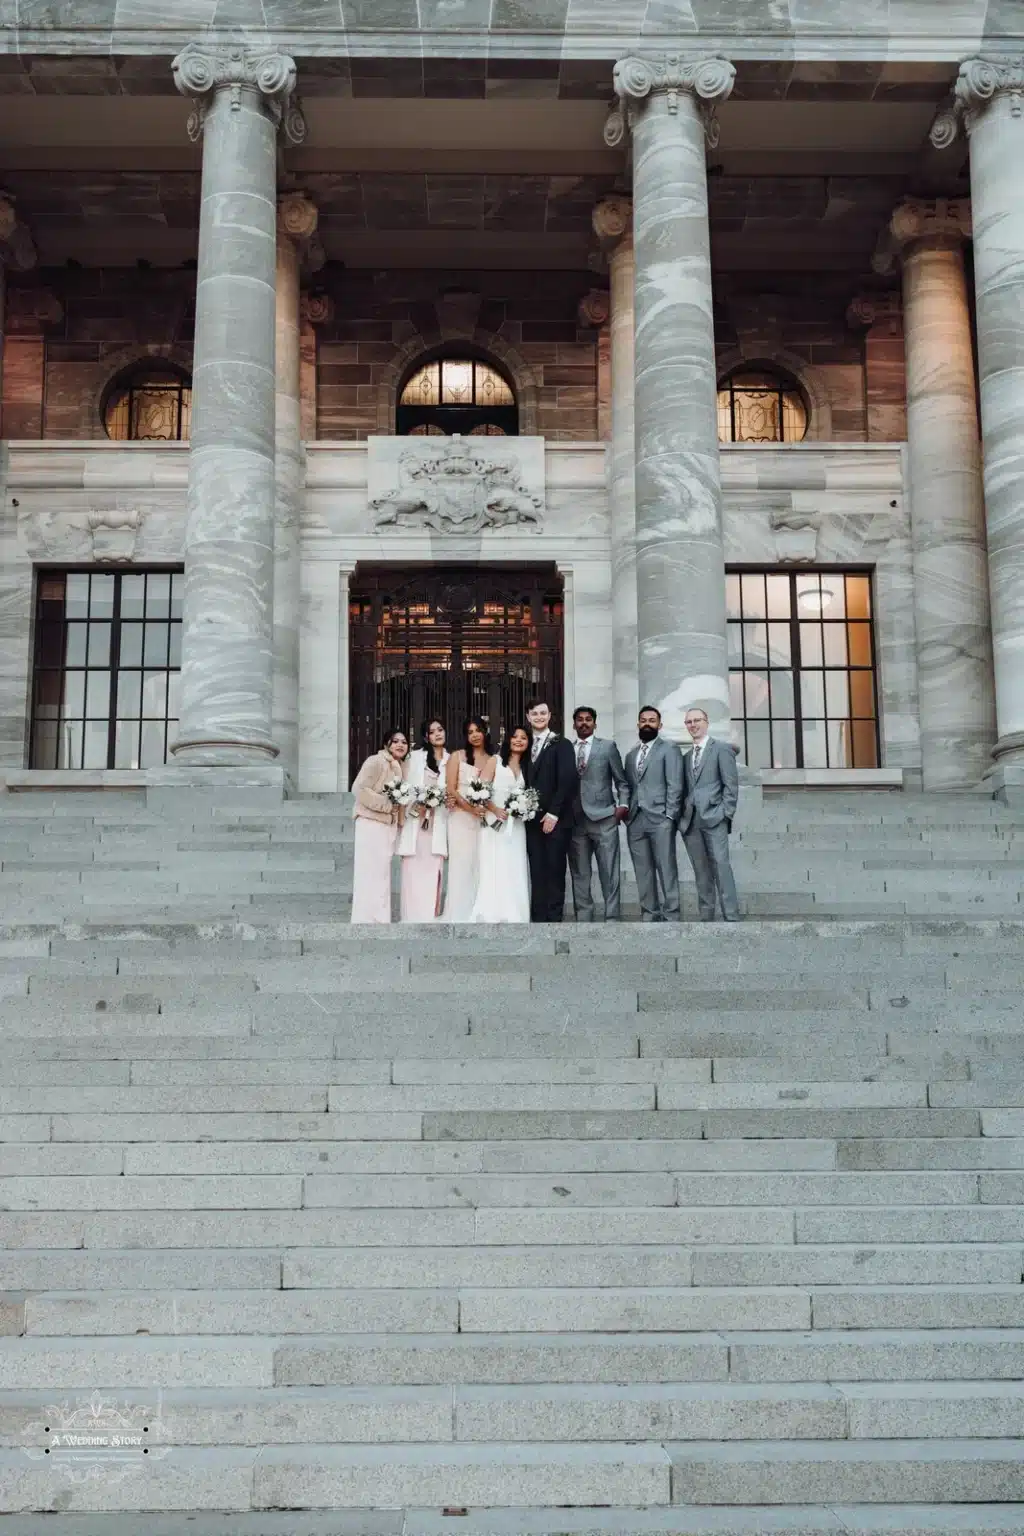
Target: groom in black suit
x: 551, y: 771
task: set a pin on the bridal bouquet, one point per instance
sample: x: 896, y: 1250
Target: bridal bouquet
x: 399, y: 792
x: 429, y: 797
x: 477, y: 792
x: 522, y: 804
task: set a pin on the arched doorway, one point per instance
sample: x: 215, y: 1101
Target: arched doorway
x: 457, y: 394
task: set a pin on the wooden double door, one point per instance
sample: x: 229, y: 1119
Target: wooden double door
x: 450, y: 641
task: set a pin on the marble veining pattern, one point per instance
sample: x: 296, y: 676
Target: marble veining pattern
x: 227, y: 631
x: 954, y: 649
x: 297, y: 220
x: 681, y: 645
x: 613, y: 224
x: 989, y: 101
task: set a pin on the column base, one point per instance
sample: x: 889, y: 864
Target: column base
x: 1005, y: 782
x: 188, y: 786
x: 207, y: 752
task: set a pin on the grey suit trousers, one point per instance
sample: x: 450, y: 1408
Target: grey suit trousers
x: 708, y: 850
x: 589, y: 838
x: 652, y: 847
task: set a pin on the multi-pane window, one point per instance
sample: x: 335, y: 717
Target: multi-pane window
x: 802, y: 668
x: 760, y: 406
x: 151, y: 403
x: 457, y: 395
x: 106, y: 669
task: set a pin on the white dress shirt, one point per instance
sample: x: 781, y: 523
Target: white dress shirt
x: 539, y: 743
x: 582, y: 762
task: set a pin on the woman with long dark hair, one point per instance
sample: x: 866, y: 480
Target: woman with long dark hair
x: 474, y: 760
x: 503, y: 887
x: 378, y: 817
x: 423, y: 840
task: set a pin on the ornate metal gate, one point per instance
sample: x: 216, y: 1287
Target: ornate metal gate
x: 450, y: 641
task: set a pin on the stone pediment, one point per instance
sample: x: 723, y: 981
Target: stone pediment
x: 456, y: 484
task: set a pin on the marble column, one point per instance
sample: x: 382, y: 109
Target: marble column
x: 989, y: 103
x: 947, y: 503
x: 296, y: 226
x: 613, y: 225
x: 241, y: 98
x: 667, y: 104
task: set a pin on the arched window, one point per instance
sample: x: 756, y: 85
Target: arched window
x: 149, y: 402
x: 761, y: 405
x: 457, y: 394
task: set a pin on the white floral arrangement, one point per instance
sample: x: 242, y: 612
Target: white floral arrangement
x: 522, y: 804
x: 431, y: 797
x: 399, y: 792
x: 477, y: 792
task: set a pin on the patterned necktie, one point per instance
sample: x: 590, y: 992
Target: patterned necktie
x: 581, y: 758
x: 698, y: 752
x: 642, y: 758
x: 536, y: 749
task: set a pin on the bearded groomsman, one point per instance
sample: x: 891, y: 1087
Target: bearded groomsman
x: 654, y: 771
x: 601, y: 805
x: 711, y: 793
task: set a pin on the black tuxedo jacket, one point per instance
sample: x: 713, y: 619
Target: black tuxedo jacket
x: 555, y: 779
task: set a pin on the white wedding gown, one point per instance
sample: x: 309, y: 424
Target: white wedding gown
x: 503, y: 890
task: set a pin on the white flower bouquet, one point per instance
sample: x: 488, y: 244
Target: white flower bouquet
x: 399, y: 792
x: 430, y: 797
x: 522, y: 804
x: 477, y: 792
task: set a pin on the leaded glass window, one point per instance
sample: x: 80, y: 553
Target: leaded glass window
x: 106, y: 668
x: 457, y: 395
x: 802, y: 677
x: 757, y: 405
x: 151, y: 403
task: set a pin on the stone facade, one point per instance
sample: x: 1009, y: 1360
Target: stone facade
x: 753, y: 203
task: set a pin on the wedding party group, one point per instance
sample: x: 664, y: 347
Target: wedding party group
x: 485, y: 835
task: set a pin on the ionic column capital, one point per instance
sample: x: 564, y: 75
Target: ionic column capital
x: 980, y: 82
x: 297, y: 216
x: 639, y: 80
x: 612, y: 220
x: 870, y: 309
x: 595, y: 308
x: 17, y: 248
x: 938, y: 221
x: 201, y: 71
x: 317, y: 308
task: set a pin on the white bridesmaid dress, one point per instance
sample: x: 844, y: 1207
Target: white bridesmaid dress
x: 503, y: 886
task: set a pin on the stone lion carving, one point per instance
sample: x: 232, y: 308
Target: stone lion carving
x: 452, y: 489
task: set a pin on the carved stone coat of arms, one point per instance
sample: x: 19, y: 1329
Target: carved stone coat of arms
x: 454, y: 486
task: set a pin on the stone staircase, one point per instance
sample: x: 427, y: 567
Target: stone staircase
x: 625, y: 1229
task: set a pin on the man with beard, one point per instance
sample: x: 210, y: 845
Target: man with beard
x: 654, y: 771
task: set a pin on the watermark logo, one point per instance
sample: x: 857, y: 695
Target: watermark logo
x: 97, y: 1439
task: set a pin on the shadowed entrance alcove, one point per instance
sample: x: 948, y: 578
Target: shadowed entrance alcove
x: 449, y: 641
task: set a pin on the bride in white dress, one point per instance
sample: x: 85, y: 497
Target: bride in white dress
x: 503, y: 890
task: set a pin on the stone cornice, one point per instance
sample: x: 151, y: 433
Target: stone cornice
x: 200, y: 71
x: 638, y: 79
x: 612, y: 220
x: 979, y: 82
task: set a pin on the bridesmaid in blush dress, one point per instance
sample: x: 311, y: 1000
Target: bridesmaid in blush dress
x: 475, y: 760
x: 377, y: 821
x: 423, y: 840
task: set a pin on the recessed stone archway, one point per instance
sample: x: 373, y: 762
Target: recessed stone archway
x: 810, y: 379
x: 524, y: 380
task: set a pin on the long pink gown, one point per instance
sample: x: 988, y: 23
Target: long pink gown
x: 421, y: 880
x: 371, y: 872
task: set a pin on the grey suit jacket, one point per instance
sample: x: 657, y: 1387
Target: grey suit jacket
x: 603, y: 786
x: 659, y: 789
x: 712, y: 794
